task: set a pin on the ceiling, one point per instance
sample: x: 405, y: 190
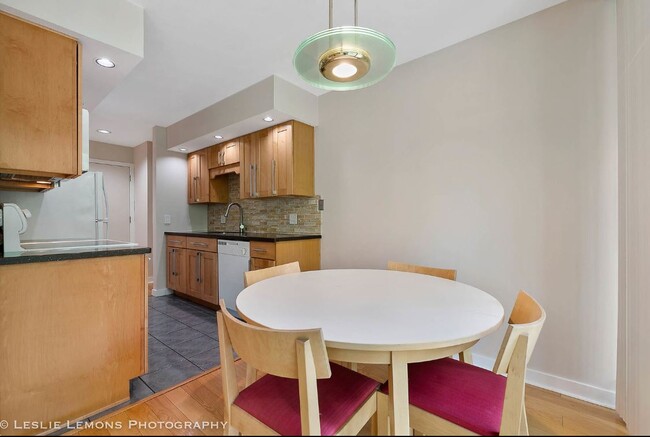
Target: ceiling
x: 197, y: 52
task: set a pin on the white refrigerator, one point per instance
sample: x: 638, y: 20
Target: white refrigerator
x: 77, y: 209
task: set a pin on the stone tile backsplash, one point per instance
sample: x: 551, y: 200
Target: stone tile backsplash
x: 268, y: 214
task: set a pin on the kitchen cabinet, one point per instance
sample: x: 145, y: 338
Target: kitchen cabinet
x: 73, y: 333
x: 278, y: 161
x: 223, y: 154
x: 268, y: 254
x: 192, y: 268
x: 40, y: 133
x: 198, y: 177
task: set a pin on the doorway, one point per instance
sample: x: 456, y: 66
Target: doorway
x: 120, y: 199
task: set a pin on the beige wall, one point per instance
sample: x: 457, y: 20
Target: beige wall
x: 110, y: 152
x: 497, y: 157
x: 170, y: 197
x: 633, y: 387
x: 143, y: 187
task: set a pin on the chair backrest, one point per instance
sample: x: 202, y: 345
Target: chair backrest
x: 431, y: 271
x: 527, y: 318
x: 259, y: 275
x: 272, y: 351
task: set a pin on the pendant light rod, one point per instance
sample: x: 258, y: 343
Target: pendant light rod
x: 331, y: 13
x: 356, y: 13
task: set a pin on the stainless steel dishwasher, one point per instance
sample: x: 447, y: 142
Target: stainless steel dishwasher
x: 234, y: 260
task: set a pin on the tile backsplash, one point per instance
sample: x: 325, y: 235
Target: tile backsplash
x: 268, y: 214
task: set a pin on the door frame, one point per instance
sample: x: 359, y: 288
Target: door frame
x: 131, y: 168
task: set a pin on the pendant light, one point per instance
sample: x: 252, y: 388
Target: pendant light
x: 345, y: 58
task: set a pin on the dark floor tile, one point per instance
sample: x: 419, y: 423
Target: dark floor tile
x: 164, y: 358
x: 195, y: 346
x: 208, y: 328
x: 206, y: 360
x: 192, y: 319
x: 165, y: 328
x: 156, y: 346
x: 169, y: 376
x: 178, y: 336
x: 139, y: 390
x: 157, y: 318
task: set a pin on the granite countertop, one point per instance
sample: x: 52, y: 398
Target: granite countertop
x: 67, y: 254
x: 248, y: 236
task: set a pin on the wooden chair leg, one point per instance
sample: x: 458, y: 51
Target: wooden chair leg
x: 523, y: 425
x: 465, y: 356
x: 383, y: 424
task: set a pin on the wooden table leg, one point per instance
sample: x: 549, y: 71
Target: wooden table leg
x: 399, y: 394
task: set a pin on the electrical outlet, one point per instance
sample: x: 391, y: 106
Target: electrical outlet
x: 167, y: 219
x: 223, y: 219
x: 293, y: 219
x: 321, y: 204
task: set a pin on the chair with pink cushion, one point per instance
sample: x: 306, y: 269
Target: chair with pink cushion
x: 301, y: 393
x: 451, y: 397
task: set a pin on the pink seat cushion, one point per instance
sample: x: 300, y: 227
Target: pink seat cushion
x: 275, y: 401
x: 460, y: 393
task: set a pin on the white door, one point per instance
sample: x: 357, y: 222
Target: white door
x: 117, y: 183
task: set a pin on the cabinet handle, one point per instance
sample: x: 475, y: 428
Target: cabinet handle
x: 173, y: 266
x: 196, y: 189
x: 260, y: 250
x: 200, y: 254
x: 273, y: 190
x: 255, y: 180
x: 194, y: 243
x: 251, y: 179
x: 197, y: 267
x: 174, y: 241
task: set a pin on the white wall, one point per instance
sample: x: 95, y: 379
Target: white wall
x: 143, y: 188
x: 170, y: 197
x: 497, y: 157
x: 633, y: 386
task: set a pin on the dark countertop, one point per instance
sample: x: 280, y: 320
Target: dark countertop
x: 66, y: 254
x: 249, y: 236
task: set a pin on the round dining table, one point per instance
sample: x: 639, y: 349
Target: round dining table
x: 377, y: 317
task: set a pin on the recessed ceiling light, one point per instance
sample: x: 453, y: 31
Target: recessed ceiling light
x: 183, y: 149
x: 103, y: 131
x: 267, y: 118
x: 219, y: 137
x: 105, y: 62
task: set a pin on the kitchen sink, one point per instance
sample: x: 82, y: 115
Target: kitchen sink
x: 41, y: 246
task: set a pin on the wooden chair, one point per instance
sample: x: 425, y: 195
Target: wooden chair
x: 431, y: 271
x: 259, y: 275
x: 466, y: 355
x: 301, y: 393
x: 451, y: 397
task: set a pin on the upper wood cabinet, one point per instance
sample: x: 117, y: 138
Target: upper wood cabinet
x: 40, y: 101
x: 278, y: 161
x: 198, y: 177
x: 224, y: 154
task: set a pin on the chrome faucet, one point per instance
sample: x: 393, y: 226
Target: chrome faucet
x: 242, y: 228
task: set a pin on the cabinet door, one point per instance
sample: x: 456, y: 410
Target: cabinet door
x: 181, y: 270
x: 194, y: 287
x: 264, y: 180
x: 40, y: 97
x: 260, y: 263
x: 177, y: 269
x: 214, y: 156
x: 209, y: 290
x: 231, y: 153
x: 171, y: 268
x: 192, y: 180
x: 248, y: 151
x: 283, y: 161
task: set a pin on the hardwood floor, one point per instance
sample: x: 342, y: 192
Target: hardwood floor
x: 199, y: 400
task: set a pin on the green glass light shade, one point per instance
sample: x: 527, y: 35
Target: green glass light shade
x: 375, y: 51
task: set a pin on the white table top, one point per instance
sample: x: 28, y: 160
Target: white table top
x: 373, y: 309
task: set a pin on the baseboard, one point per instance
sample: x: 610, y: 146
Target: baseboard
x: 569, y: 387
x: 161, y: 292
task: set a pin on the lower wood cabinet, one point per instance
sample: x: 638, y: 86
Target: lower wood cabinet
x: 192, y: 268
x: 268, y: 254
